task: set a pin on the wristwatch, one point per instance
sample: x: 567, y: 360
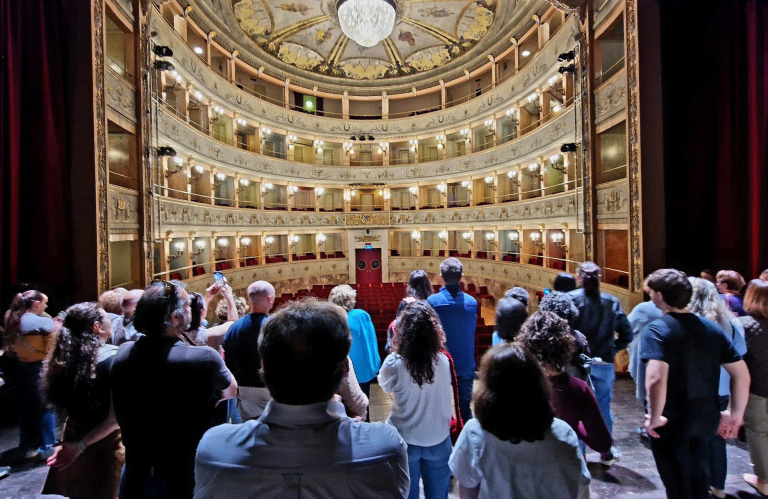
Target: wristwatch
x: 81, y: 446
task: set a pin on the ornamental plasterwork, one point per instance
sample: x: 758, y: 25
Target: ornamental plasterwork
x: 542, y: 66
x: 602, y: 10
x: 633, y: 152
x: 127, y: 7
x: 613, y: 201
x: 529, y: 276
x: 121, y: 97
x: 611, y: 99
x: 100, y: 133
x: 183, y: 215
x: 242, y: 277
x: 123, y: 209
x: 189, y: 142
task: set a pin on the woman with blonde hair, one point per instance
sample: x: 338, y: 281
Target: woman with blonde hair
x: 707, y: 303
x: 365, y: 348
x: 756, y: 415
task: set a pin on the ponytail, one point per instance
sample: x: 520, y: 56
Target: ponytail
x: 20, y: 304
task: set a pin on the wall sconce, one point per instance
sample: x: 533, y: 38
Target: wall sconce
x: 292, y: 189
x: 349, y: 147
x: 219, y: 179
x: 347, y: 196
x: 440, y: 140
x: 443, y: 235
x: 536, y: 238
x: 414, y: 144
x: 319, y: 191
x: 353, y: 192
x: 179, y: 247
x: 292, y: 240
x: 555, y: 79
x: 489, y: 182
x: 383, y: 147
x: 442, y: 188
x: 553, y: 162
x: 223, y: 242
x: 511, y: 113
x: 266, y: 131
x: 532, y: 170
x: 514, y: 236
x: 489, y: 125
x: 200, y: 248
x: 491, y: 238
x: 218, y: 110
x: 414, y: 190
x: 387, y: 194
x: 512, y: 175
x: 318, y: 145
x: 291, y: 139
x: 196, y: 173
x: 466, y: 132
x: 467, y: 236
x: 198, y: 95
x: 245, y: 241
x: 532, y: 98
x: 269, y: 241
x: 244, y: 183
x: 176, y: 168
x: 321, y: 238
x: 416, y: 235
x: 558, y: 240
x: 241, y: 122
x: 267, y: 187
x: 467, y: 185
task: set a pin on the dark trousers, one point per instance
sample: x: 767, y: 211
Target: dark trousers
x: 366, y: 388
x: 682, y: 455
x: 172, y: 477
x: 718, y: 456
x: 465, y: 395
x: 37, y: 424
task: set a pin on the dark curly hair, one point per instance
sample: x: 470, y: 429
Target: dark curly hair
x: 549, y: 338
x: 69, y: 371
x: 512, y: 399
x: 419, y: 285
x: 561, y: 305
x: 419, y: 341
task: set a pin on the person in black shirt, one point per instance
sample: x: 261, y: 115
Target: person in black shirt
x: 684, y: 353
x: 76, y: 380
x: 164, y: 393
x: 241, y: 351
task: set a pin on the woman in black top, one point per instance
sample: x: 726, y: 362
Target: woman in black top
x: 76, y: 381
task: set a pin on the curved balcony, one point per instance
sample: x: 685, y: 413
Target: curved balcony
x: 542, y: 66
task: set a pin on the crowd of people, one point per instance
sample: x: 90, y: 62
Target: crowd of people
x: 159, y: 403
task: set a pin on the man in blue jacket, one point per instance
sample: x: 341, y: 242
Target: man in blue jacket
x: 458, y: 312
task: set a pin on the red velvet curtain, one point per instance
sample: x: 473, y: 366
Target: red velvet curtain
x: 715, y: 80
x: 35, y: 92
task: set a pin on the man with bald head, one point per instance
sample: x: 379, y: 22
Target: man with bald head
x: 241, y: 351
x: 122, y: 327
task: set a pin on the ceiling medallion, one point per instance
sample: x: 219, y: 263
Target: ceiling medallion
x: 367, y: 21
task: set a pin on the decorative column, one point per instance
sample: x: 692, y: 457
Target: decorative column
x: 287, y: 94
x: 208, y: 48
x: 231, y: 66
x: 493, y: 70
x: 236, y: 189
x: 237, y: 250
x: 345, y: 105
x: 212, y: 183
x: 164, y: 174
x: 497, y: 251
x: 384, y: 106
x: 442, y: 94
x: 519, y: 182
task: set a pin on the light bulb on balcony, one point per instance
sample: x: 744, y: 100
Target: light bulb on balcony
x: 535, y: 236
x: 443, y: 235
x: 556, y: 108
x: 533, y: 166
x: 220, y: 176
x: 557, y: 237
x: 199, y: 50
x: 526, y: 53
x: 514, y: 236
x: 321, y: 237
x: 198, y: 94
x: 441, y: 187
x: 179, y: 246
x: 488, y: 180
x: 199, y: 168
x: 413, y: 190
x: 244, y: 182
x: 490, y: 236
x: 245, y: 241
x: 415, y: 235
x: 511, y: 112
x: 223, y: 242
x: 467, y: 236
x: 174, y: 73
x: 512, y: 174
x: 465, y: 183
x: 532, y: 98
x: 269, y: 240
x: 554, y: 158
x: 488, y: 122
x: 319, y: 191
x: 200, y: 244
x: 295, y: 239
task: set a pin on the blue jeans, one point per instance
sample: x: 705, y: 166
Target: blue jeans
x: 465, y: 395
x: 37, y: 423
x: 718, y: 456
x: 233, y: 413
x: 431, y: 465
x: 602, y: 378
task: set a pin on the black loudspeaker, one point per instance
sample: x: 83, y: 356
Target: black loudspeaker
x: 368, y: 231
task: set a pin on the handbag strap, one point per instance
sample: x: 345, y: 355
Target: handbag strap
x: 455, y: 386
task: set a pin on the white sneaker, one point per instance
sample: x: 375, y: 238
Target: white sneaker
x: 720, y: 494
x: 45, y: 452
x: 615, y: 457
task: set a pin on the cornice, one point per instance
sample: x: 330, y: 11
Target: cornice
x: 542, y: 67
x: 189, y: 142
x: 183, y: 216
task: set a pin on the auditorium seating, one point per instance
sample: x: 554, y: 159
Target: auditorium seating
x: 196, y: 271
x: 175, y: 276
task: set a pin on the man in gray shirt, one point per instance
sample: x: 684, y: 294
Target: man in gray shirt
x: 122, y: 327
x: 303, y: 445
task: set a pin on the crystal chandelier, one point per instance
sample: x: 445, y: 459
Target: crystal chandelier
x: 366, y: 21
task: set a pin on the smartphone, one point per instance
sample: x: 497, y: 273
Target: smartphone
x: 547, y: 291
x: 218, y: 277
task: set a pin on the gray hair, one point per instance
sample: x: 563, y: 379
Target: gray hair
x: 706, y: 302
x: 344, y: 296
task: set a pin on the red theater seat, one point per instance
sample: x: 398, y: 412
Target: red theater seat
x: 198, y: 271
x: 175, y: 276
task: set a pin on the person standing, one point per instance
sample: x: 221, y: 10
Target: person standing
x: 303, y: 445
x: 122, y: 327
x: 756, y: 416
x: 730, y: 284
x: 457, y: 312
x: 600, y: 318
x: 365, y: 348
x: 164, y: 393
x: 643, y: 314
x: 29, y: 335
x: 510, y: 316
x: 684, y: 353
x: 418, y: 376
x: 241, y: 351
x: 76, y: 380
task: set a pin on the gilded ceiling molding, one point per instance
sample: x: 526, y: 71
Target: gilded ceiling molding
x: 633, y: 149
x: 102, y: 168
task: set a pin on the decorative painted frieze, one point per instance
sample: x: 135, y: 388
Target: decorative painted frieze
x: 121, y: 97
x: 611, y: 99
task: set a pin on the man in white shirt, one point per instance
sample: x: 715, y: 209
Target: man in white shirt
x: 303, y: 445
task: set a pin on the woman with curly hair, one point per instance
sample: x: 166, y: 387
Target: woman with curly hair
x: 515, y: 448
x: 418, y: 375
x: 76, y: 380
x: 549, y: 339
x: 707, y: 303
x: 562, y: 306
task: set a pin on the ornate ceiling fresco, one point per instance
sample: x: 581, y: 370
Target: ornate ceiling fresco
x: 302, y: 39
x: 306, y: 34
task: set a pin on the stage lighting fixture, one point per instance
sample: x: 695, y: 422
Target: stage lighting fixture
x: 569, y: 147
x: 162, y: 51
x: 371, y: 137
x: 164, y: 66
x: 567, y: 69
x: 166, y: 151
x: 362, y: 137
x: 566, y: 56
x: 353, y: 138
